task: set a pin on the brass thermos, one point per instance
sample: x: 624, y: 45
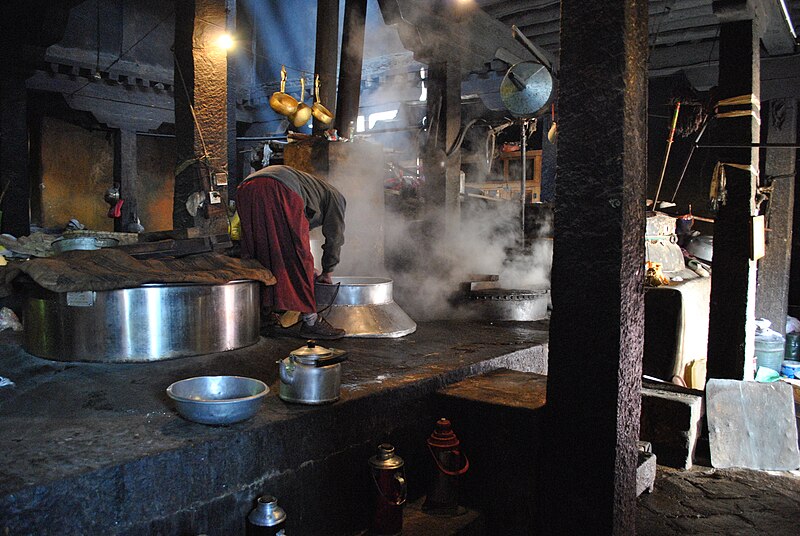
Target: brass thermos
x: 267, y: 518
x: 388, y: 476
x: 450, y: 463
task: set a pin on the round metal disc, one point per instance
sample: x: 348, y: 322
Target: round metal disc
x: 526, y: 88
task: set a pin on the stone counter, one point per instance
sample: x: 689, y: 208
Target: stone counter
x: 98, y: 449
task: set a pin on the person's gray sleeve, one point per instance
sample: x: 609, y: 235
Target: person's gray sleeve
x: 333, y: 230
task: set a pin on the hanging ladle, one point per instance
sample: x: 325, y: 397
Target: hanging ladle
x: 282, y: 102
x: 303, y: 113
x: 319, y: 112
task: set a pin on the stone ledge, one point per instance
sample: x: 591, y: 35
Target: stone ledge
x: 671, y: 421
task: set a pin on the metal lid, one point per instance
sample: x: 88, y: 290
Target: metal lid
x: 443, y: 436
x: 386, y: 458
x: 267, y: 513
x: 311, y: 353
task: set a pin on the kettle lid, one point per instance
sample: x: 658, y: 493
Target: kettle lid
x: 443, y: 436
x: 310, y: 353
x: 386, y: 458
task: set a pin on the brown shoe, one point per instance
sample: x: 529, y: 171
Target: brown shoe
x: 321, y: 330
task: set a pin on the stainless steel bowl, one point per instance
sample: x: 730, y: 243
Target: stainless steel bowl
x: 217, y: 399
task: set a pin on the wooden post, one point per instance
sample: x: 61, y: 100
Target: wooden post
x: 588, y: 479
x: 731, y: 328
x: 772, y: 290
x: 326, y: 55
x: 349, y: 94
x: 442, y: 172
x: 126, y: 175
x: 14, y: 179
x: 201, y: 109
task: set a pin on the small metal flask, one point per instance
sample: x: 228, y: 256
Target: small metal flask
x: 451, y: 463
x: 388, y: 475
x: 267, y: 518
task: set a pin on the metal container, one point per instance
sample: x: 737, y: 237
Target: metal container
x: 451, y: 463
x: 502, y: 304
x: 146, y: 323
x: 388, y: 474
x: 364, y: 307
x: 311, y: 375
x: 83, y: 243
x: 217, y: 399
x: 267, y: 518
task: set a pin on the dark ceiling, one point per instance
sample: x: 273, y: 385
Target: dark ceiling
x: 683, y: 33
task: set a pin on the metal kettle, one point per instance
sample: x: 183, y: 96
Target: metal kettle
x: 311, y: 375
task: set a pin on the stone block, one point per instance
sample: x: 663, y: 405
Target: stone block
x: 645, y: 472
x: 498, y: 418
x: 671, y: 421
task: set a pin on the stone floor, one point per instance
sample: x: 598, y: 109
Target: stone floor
x: 721, y: 502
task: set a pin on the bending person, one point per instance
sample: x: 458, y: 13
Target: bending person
x: 278, y: 206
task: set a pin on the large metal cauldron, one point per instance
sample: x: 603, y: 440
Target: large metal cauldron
x: 146, y: 323
x: 364, y: 307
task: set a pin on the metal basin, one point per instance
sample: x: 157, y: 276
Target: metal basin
x: 217, y: 399
x: 146, y: 323
x: 364, y: 307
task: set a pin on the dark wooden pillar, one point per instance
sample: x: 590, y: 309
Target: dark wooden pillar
x: 349, y: 94
x: 442, y: 171
x: 731, y: 327
x: 588, y: 479
x: 772, y: 290
x: 14, y: 181
x: 126, y: 176
x: 200, y: 83
x: 232, y: 168
x: 326, y: 55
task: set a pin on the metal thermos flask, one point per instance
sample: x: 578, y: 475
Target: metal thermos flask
x: 450, y: 463
x: 267, y: 518
x: 388, y: 476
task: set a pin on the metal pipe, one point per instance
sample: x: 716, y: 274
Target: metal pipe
x: 666, y: 155
x: 688, y: 159
x: 523, y: 180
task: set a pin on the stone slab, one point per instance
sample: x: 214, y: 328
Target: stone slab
x: 752, y: 425
x: 502, y: 387
x: 671, y: 421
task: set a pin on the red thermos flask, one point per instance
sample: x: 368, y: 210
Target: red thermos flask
x: 388, y: 475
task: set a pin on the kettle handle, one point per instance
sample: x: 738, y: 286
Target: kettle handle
x: 401, y: 499
x: 445, y: 471
x: 283, y: 372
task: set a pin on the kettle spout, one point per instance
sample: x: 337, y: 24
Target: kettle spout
x: 286, y: 375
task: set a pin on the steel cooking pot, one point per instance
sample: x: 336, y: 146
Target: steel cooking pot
x: 311, y: 375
